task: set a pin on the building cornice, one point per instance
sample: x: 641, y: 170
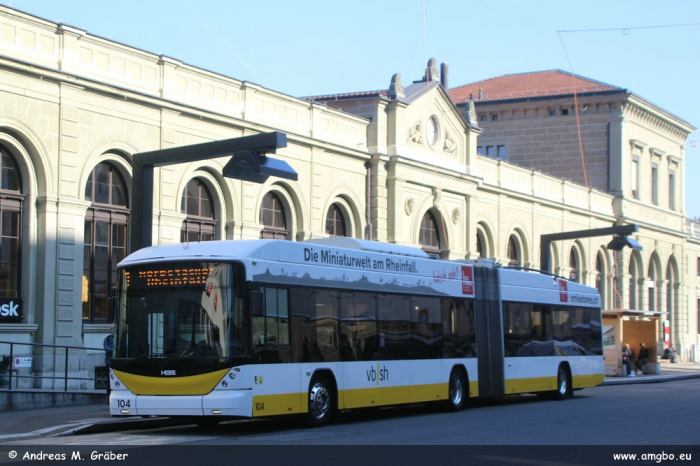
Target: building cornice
x: 656, y: 118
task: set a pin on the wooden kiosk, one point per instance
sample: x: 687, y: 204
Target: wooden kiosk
x: 632, y: 327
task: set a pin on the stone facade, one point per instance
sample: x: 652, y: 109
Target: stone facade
x: 626, y: 141
x: 70, y: 101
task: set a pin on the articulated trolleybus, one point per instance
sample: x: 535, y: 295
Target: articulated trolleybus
x: 231, y: 329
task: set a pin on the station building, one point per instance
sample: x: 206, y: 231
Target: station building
x: 401, y: 165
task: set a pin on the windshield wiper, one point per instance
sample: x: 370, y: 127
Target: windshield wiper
x: 199, y: 354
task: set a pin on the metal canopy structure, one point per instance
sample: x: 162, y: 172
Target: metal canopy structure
x: 249, y: 162
x: 620, y: 240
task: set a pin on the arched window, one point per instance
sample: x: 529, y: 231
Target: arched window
x: 429, y: 239
x: 671, y: 302
x: 633, y: 283
x: 335, y: 222
x: 197, y: 204
x: 273, y: 218
x: 653, y: 277
x: 482, y: 241
x: 104, y: 239
x: 574, y: 274
x: 513, y: 252
x: 11, y: 198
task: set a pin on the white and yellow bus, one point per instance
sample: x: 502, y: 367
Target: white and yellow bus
x: 240, y: 329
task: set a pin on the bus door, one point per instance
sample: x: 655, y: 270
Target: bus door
x: 489, y: 339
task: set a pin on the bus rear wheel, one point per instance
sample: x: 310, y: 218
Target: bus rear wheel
x: 321, y: 401
x: 563, y: 388
x: 458, y: 392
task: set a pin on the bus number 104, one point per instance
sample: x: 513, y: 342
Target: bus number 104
x: 124, y: 403
x: 260, y: 406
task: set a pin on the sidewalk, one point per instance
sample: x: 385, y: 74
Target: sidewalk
x: 92, y: 418
x: 669, y: 372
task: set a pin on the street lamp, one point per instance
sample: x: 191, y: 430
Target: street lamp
x: 620, y: 241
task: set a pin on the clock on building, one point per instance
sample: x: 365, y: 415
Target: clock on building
x: 431, y: 131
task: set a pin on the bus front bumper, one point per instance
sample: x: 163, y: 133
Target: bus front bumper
x: 238, y: 403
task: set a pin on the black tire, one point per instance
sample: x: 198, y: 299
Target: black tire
x: 563, y: 390
x: 321, y: 402
x: 458, y: 393
x: 205, y: 422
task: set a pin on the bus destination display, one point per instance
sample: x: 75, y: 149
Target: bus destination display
x: 168, y: 277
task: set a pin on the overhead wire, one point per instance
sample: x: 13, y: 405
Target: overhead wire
x: 430, y: 111
x: 625, y: 31
x: 578, y: 120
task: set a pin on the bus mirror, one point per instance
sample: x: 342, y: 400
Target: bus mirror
x: 257, y: 303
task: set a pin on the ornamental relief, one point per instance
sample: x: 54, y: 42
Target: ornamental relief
x: 410, y: 205
x: 415, y: 133
x: 450, y: 145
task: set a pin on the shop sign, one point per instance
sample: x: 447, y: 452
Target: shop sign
x: 10, y: 310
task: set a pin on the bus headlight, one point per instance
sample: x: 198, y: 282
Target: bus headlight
x: 232, y: 375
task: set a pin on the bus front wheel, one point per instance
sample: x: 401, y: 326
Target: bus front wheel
x: 321, y: 401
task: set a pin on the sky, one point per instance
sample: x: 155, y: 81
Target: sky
x: 315, y: 47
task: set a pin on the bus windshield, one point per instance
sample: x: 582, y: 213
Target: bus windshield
x: 190, y: 310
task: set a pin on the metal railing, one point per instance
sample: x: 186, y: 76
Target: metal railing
x: 65, y: 376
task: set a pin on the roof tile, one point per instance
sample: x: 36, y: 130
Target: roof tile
x: 524, y: 85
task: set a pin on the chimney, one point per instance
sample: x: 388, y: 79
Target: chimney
x: 481, y: 94
x: 443, y: 75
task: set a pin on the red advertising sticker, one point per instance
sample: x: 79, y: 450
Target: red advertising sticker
x: 563, y: 291
x: 467, y: 280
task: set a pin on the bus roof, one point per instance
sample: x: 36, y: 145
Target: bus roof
x: 263, y: 249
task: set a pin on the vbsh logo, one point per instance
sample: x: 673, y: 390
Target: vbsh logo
x: 378, y: 374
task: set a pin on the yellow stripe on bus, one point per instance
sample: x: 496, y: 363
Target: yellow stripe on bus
x: 293, y: 403
x: 382, y: 396
x: 543, y: 384
x: 582, y: 381
x: 273, y: 405
x: 190, y: 385
x: 534, y: 384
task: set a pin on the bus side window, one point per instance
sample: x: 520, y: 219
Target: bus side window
x: 426, y: 335
x: 272, y: 329
x: 458, y: 326
x: 517, y: 330
x: 359, y: 340
x: 394, y: 326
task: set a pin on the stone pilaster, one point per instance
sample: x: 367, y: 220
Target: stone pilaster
x: 379, y: 202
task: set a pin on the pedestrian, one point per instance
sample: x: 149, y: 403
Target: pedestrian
x: 670, y: 354
x: 642, y: 358
x: 627, y: 359
x: 109, y: 351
